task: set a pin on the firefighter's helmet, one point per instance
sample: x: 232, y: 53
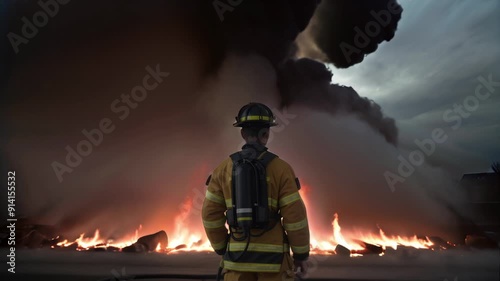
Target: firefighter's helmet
x: 255, y: 114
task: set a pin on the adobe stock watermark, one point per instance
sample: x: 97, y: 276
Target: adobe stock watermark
x: 222, y: 6
x: 30, y: 28
x: 454, y: 117
x: 121, y: 107
x: 372, y: 29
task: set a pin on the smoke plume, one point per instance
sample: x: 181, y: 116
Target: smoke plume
x: 344, y: 32
x: 308, y: 82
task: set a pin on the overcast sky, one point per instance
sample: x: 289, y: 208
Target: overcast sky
x: 433, y: 62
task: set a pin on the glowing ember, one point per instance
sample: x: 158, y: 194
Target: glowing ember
x: 189, y: 236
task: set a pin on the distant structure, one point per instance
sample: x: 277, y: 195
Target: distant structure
x: 483, y: 195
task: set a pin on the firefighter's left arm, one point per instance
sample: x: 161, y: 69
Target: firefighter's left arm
x: 213, y: 216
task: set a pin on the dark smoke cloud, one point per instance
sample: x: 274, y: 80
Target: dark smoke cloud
x: 307, y: 82
x: 347, y: 31
x: 267, y: 28
x: 270, y: 28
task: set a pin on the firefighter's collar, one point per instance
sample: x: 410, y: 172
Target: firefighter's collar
x: 255, y: 146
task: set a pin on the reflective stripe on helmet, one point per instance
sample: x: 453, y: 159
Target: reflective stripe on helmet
x: 255, y: 113
x: 254, y: 118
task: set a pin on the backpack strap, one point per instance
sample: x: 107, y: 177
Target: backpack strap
x: 266, y: 157
x: 235, y: 157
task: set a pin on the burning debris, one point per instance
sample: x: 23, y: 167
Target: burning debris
x: 158, y: 242
x: 341, y: 244
x: 342, y: 251
x: 149, y: 243
x: 368, y: 249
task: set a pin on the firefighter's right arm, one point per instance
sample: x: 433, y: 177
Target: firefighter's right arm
x: 213, y: 216
x: 294, y: 215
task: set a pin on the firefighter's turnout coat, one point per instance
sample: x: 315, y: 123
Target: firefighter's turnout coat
x: 265, y: 253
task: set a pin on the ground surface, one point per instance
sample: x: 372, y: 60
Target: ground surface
x: 451, y: 265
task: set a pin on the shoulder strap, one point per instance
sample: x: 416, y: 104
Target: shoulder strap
x: 235, y: 157
x: 266, y: 157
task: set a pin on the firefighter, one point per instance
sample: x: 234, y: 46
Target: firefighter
x: 266, y: 253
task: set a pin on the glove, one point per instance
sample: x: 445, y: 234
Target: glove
x: 301, y: 268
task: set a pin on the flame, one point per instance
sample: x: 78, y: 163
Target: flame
x: 339, y: 238
x: 85, y: 243
x: 355, y: 241
x: 188, y: 235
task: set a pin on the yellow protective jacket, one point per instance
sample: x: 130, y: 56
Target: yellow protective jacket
x: 265, y: 253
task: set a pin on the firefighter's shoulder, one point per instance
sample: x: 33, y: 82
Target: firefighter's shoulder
x: 281, y: 169
x: 279, y: 164
x: 224, y: 168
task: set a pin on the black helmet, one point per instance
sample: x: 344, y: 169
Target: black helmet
x: 255, y: 114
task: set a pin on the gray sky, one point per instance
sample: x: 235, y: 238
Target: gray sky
x: 439, y: 50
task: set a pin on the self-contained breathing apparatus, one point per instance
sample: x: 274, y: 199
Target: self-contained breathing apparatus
x: 249, y: 192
